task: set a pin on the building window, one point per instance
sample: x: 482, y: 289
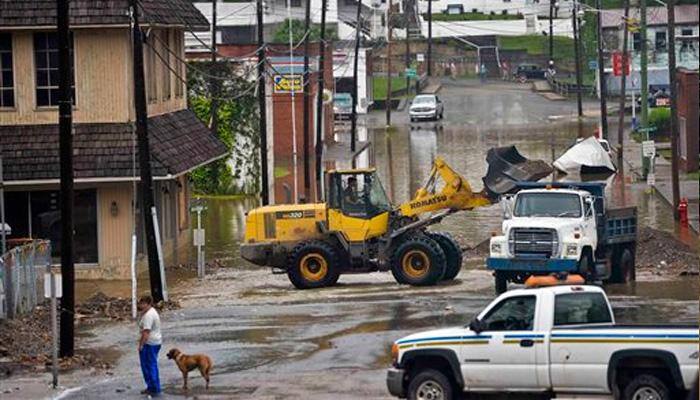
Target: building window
x: 37, y: 215
x: 178, y: 48
x: 7, y: 85
x: 686, y: 32
x: 637, y: 41
x: 151, y: 76
x: 660, y: 41
x: 166, y: 45
x: 46, y: 64
x: 297, y: 3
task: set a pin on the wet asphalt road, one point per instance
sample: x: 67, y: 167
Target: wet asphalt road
x: 269, y: 341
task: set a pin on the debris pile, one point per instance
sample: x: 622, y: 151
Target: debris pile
x: 100, y: 307
x: 664, y: 254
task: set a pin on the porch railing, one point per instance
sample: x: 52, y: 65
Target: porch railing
x: 21, y: 271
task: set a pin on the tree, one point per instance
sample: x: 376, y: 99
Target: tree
x: 282, y: 34
x: 238, y: 173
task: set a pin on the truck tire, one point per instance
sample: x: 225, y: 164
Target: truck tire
x: 453, y: 254
x: 430, y: 384
x: 624, y: 271
x: 586, y: 265
x: 646, y: 386
x: 501, y: 282
x: 313, y: 264
x: 418, y: 261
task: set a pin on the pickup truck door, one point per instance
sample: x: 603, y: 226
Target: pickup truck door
x: 504, y: 355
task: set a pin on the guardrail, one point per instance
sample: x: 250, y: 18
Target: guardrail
x: 19, y: 277
x: 564, y: 88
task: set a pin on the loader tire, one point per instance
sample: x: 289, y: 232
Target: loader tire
x: 313, y: 264
x: 453, y: 254
x: 418, y: 261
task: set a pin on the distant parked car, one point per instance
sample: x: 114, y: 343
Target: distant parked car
x: 525, y: 72
x: 426, y: 106
x: 342, y: 106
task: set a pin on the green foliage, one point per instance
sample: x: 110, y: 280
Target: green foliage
x: 237, y: 128
x: 538, y: 45
x: 472, y: 16
x: 660, y: 118
x: 298, y: 31
x: 379, y: 86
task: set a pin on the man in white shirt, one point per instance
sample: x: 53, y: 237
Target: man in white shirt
x: 150, y: 341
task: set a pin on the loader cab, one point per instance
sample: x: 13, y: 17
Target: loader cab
x: 357, y: 193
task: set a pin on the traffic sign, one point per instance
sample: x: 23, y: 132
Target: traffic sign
x: 593, y: 65
x: 420, y: 57
x: 648, y: 148
x: 410, y: 72
x: 649, y: 129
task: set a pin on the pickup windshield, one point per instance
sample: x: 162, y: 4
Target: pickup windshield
x: 562, y: 205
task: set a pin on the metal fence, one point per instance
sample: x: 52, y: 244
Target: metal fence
x: 21, y: 271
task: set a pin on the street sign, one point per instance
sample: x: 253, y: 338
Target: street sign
x: 648, y: 148
x: 617, y: 60
x: 593, y: 65
x: 47, y: 285
x: 420, y: 57
x: 198, y: 236
x: 649, y: 129
x: 288, y: 83
x: 410, y: 72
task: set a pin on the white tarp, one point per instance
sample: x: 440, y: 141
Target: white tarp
x: 587, y: 156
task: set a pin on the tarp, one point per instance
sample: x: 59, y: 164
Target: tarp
x: 585, y: 157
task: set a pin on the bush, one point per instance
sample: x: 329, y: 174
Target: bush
x: 660, y: 118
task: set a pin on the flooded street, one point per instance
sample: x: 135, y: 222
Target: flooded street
x: 270, y: 341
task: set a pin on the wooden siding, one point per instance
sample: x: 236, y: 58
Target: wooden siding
x: 103, y: 74
x: 114, y: 231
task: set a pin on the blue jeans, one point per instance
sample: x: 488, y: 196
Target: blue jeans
x: 149, y: 367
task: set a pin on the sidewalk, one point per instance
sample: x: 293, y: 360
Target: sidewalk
x: 632, y: 157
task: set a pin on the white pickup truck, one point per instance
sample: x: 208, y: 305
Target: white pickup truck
x: 551, y: 340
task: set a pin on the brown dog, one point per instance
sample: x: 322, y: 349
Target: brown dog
x: 188, y: 363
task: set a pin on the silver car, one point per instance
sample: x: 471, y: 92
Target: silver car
x: 426, y: 106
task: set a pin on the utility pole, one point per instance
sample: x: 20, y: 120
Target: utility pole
x: 602, y: 86
x: 643, y: 64
x: 551, y: 34
x: 145, y: 158
x: 319, y: 101
x: 307, y: 98
x: 577, y: 56
x: 65, y: 128
x: 388, y: 64
x: 430, y: 39
x: 213, y: 85
x: 264, y: 194
x: 407, y: 59
x: 623, y: 86
x: 670, y: 4
x: 353, y: 112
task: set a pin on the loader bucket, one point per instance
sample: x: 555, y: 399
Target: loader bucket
x: 507, y: 167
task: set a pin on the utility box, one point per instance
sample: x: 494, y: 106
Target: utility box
x: 688, y: 119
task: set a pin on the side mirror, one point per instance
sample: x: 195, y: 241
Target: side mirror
x: 476, y: 326
x: 507, y: 206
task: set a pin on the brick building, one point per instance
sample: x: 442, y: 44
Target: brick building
x: 688, y: 119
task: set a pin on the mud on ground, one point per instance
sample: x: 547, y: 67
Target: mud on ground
x: 25, y: 342
x: 661, y: 254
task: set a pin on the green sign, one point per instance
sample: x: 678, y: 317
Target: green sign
x: 649, y: 129
x: 410, y: 72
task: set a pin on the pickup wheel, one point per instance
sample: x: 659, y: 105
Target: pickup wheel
x: 419, y: 261
x: 453, y: 253
x: 430, y: 384
x: 313, y: 264
x: 646, y: 387
x: 501, y: 282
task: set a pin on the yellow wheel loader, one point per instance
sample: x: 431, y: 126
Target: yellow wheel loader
x: 358, y: 230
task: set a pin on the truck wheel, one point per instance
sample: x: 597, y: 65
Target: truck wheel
x: 624, y: 271
x: 418, y: 261
x: 430, y: 384
x: 501, y: 282
x: 644, y: 387
x: 585, y: 265
x: 453, y: 253
x: 313, y: 264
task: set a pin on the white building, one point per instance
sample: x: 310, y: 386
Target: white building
x: 343, y: 75
x: 497, y: 7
